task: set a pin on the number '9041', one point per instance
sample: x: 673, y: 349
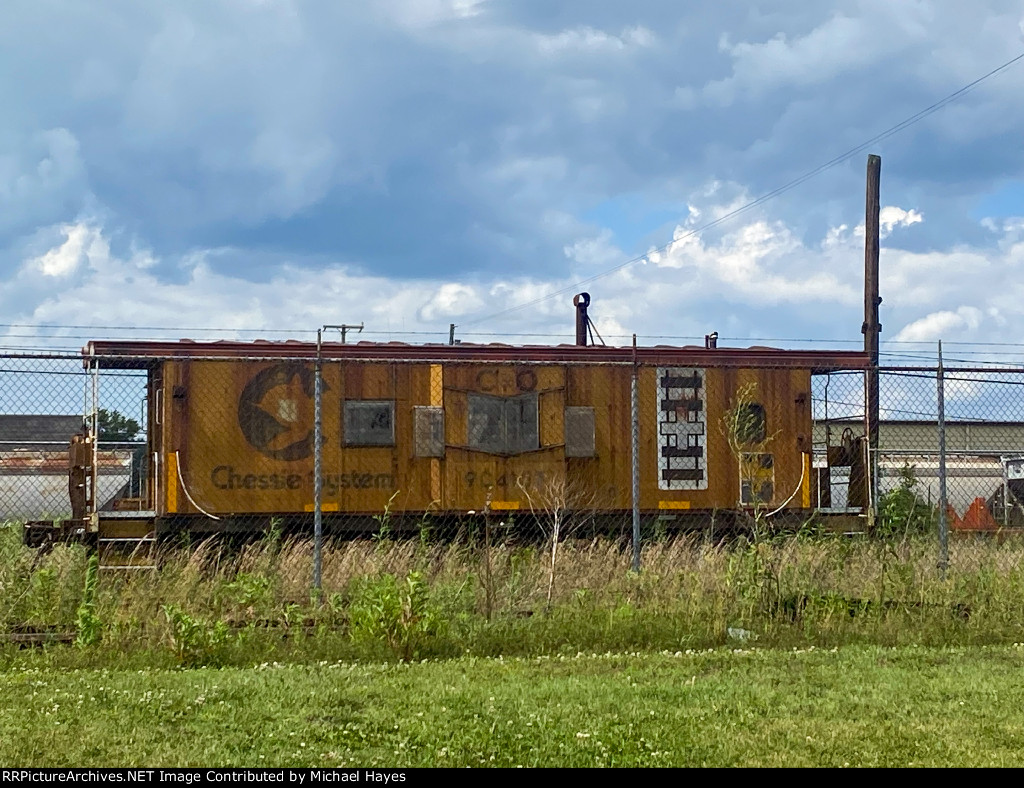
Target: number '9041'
x: 487, y: 480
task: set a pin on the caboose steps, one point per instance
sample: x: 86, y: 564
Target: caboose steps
x: 126, y: 544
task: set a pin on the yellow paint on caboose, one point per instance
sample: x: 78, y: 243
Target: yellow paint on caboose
x: 437, y: 401
x: 245, y: 436
x: 805, y: 486
x: 172, y: 483
x: 324, y: 507
x: 243, y: 431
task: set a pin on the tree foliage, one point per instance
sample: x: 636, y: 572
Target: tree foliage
x: 114, y: 426
x: 901, y: 510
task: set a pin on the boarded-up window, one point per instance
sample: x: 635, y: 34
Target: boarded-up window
x: 428, y: 431
x: 579, y: 432
x: 522, y: 432
x: 503, y: 425
x: 487, y: 423
x: 369, y: 423
x: 757, y: 478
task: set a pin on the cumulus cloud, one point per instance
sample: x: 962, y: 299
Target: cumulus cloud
x: 759, y: 279
x: 82, y: 243
x: 765, y: 262
x: 598, y: 252
x: 319, y: 127
x: 891, y: 217
x: 41, y: 176
x: 451, y: 300
x: 837, y: 44
x: 941, y: 324
x: 417, y: 161
x: 587, y: 39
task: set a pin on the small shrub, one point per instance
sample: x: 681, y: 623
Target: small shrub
x: 901, y: 512
x: 397, y: 613
x: 195, y: 641
x: 250, y: 591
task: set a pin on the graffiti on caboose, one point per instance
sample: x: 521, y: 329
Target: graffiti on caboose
x: 682, y: 429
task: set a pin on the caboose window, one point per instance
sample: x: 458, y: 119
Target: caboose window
x: 751, y: 423
x: 369, y: 423
x: 503, y: 425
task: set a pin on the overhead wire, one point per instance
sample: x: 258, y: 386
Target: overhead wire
x: 904, y: 411
x: 921, y: 345
x: 892, y: 130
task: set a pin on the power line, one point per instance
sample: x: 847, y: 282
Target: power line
x: 917, y: 351
x: 892, y: 130
x: 503, y: 334
x: 916, y: 357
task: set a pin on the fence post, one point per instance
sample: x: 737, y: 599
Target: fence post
x: 635, y: 422
x: 94, y: 477
x: 943, y: 519
x: 317, y: 472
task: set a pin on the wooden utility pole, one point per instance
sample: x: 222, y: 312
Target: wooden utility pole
x: 872, y: 328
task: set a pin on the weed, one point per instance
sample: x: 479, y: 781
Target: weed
x: 426, y: 525
x: 400, y: 598
x: 397, y: 613
x: 383, y: 521
x: 89, y: 626
x: 196, y: 642
x: 274, y: 535
x: 252, y: 592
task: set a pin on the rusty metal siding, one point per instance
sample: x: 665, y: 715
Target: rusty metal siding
x: 235, y: 436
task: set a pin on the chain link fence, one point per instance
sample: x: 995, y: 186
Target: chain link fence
x: 231, y: 443
x: 446, y: 447
x: 950, y: 459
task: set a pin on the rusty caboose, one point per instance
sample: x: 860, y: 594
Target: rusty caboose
x: 450, y: 430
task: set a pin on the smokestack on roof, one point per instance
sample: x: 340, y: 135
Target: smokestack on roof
x: 581, y: 301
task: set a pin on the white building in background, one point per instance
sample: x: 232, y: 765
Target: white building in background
x: 975, y: 454
x: 34, y: 466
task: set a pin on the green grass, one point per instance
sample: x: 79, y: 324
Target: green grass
x: 865, y: 655
x: 856, y: 706
x: 405, y: 599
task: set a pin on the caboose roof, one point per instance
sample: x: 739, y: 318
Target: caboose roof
x: 124, y: 354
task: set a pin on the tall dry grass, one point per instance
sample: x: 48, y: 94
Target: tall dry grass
x: 690, y: 593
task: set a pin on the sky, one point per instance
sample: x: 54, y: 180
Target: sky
x: 259, y: 168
